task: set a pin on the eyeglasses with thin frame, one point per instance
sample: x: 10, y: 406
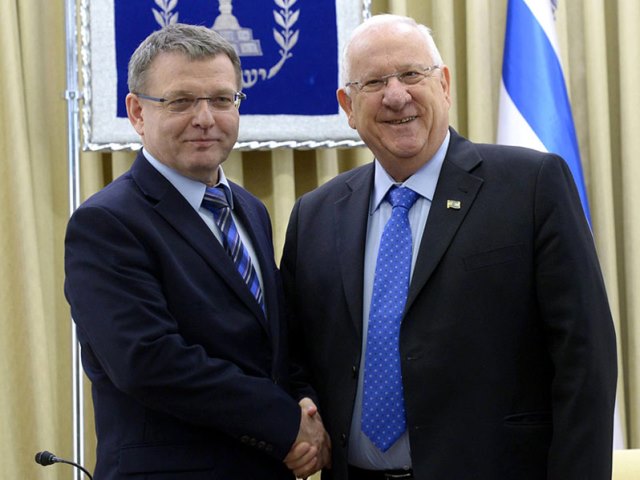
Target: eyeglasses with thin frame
x: 406, y: 77
x: 185, y: 103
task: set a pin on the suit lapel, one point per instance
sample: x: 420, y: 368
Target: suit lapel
x: 454, y: 184
x: 351, y: 214
x: 176, y: 211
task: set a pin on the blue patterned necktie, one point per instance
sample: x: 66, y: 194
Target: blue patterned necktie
x: 215, y: 201
x: 383, y: 415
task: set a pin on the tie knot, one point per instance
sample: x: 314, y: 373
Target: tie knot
x: 215, y: 197
x: 401, y: 197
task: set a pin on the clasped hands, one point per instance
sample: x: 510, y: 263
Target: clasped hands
x: 311, y: 450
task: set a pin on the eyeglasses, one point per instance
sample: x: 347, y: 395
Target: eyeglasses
x: 407, y: 77
x: 185, y: 103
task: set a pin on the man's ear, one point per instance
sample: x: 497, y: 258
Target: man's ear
x: 134, y: 112
x: 445, y: 81
x: 345, y: 103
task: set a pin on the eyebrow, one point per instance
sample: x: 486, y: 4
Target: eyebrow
x: 177, y: 93
x: 401, y: 68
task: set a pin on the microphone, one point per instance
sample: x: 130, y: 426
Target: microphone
x: 45, y: 458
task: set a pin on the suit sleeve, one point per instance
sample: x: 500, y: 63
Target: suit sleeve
x: 578, y: 327
x: 115, y: 286
x: 300, y: 378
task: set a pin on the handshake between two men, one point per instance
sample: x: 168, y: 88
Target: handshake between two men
x: 311, y: 450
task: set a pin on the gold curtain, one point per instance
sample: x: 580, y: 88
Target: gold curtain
x: 601, y: 60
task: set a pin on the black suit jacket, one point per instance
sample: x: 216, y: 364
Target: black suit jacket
x: 189, y: 378
x: 507, y: 343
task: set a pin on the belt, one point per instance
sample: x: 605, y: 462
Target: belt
x: 356, y: 473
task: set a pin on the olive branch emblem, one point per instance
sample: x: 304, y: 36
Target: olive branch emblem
x: 164, y: 16
x: 286, y: 38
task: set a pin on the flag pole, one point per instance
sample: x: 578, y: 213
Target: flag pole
x: 72, y: 95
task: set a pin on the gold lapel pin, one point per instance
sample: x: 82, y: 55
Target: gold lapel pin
x: 454, y: 204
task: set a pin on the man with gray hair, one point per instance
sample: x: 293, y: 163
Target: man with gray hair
x: 463, y: 329
x: 173, y: 287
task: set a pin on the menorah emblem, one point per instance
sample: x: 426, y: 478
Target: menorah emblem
x: 226, y: 24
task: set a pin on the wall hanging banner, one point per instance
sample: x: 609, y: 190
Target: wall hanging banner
x: 290, y: 52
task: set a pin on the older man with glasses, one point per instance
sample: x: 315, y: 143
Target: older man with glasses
x: 447, y: 302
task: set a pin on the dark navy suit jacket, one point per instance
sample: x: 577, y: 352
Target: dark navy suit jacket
x: 189, y: 378
x: 507, y: 343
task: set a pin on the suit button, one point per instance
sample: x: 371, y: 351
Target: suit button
x: 244, y: 439
x: 343, y: 439
x: 253, y: 442
x: 269, y: 448
x: 354, y: 371
x: 261, y: 445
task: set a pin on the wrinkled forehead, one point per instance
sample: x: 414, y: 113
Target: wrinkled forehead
x: 386, y: 48
x: 175, y: 64
x: 172, y: 72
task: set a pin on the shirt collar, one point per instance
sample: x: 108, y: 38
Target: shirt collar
x: 191, y: 190
x: 422, y: 182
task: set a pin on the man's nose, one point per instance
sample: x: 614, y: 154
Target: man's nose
x: 203, y: 114
x: 395, y: 93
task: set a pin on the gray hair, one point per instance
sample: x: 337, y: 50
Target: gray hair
x: 385, y: 19
x: 196, y: 42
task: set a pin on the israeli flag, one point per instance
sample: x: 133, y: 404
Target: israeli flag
x: 534, y: 105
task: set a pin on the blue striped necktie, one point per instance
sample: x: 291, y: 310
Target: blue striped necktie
x: 383, y: 414
x: 215, y: 201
